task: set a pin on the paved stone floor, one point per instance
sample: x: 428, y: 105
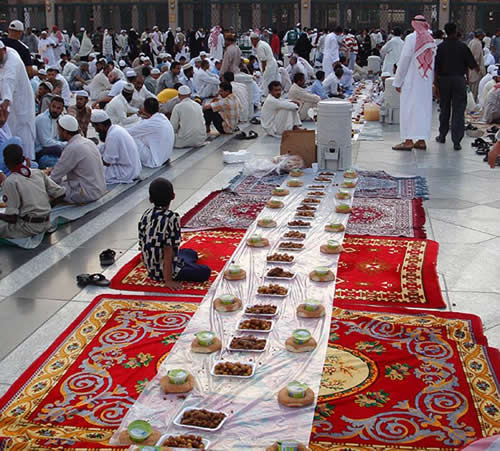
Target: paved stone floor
x: 39, y: 297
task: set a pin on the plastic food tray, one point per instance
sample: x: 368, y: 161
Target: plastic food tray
x: 247, y: 350
x: 290, y: 249
x: 274, y: 262
x: 212, y: 370
x: 254, y: 330
x: 263, y: 315
x: 300, y: 226
x: 280, y: 278
x: 178, y: 418
x: 164, y: 438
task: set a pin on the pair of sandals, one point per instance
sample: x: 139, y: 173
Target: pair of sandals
x: 243, y: 135
x: 416, y: 145
x: 107, y: 258
x: 479, y: 142
x: 483, y: 149
x: 493, y: 129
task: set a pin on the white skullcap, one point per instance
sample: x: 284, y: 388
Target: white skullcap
x: 155, y: 71
x: 197, y: 60
x: 254, y: 35
x: 68, y: 123
x: 82, y: 93
x: 43, y: 32
x: 184, y: 90
x: 130, y: 73
x: 203, y: 53
x: 48, y: 85
x: 492, y: 69
x: 82, y: 29
x: 129, y: 87
x: 147, y: 58
x: 41, y: 71
x: 54, y: 67
x: 16, y: 25
x: 168, y: 55
x: 216, y: 61
x: 187, y: 66
x: 91, y: 55
x: 98, y: 116
x: 122, y: 63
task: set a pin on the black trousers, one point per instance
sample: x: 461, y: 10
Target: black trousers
x: 452, y: 101
x: 214, y: 117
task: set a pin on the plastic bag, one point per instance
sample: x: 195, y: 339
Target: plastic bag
x: 471, y: 105
x: 287, y: 163
x: 236, y: 157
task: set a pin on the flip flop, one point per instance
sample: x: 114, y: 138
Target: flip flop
x: 107, y: 257
x: 97, y: 280
x: 255, y: 121
x: 482, y: 150
x: 402, y: 147
x: 252, y: 135
x: 241, y: 135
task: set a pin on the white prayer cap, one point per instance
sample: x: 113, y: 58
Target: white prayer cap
x: 102, y: 60
x: 187, y: 66
x: 129, y: 88
x: 41, y: 71
x: 98, y: 116
x: 254, y: 35
x: 216, y: 60
x: 91, y: 55
x: 155, y: 71
x: 141, y: 58
x: 184, y: 90
x: 2, y: 45
x: 130, y: 73
x: 178, y: 29
x: 147, y: 58
x: 48, y: 85
x: 203, y: 53
x: 54, y: 67
x: 43, y: 32
x: 197, y: 59
x: 142, y: 54
x: 122, y: 63
x: 68, y: 123
x: 82, y: 29
x: 82, y: 93
x: 16, y: 25
x: 168, y: 55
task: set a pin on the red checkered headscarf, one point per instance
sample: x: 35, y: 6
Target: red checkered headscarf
x: 425, y: 46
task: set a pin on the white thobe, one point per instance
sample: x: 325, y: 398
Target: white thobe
x: 217, y: 52
x: 482, y: 84
x: 15, y: 86
x: 241, y: 94
x: 207, y: 84
x: 121, y: 154
x: 331, y: 53
x: 139, y: 97
x: 121, y: 112
x: 487, y: 88
x: 279, y: 115
x: 331, y: 84
x: 304, y: 98
x: 75, y: 45
x: 286, y: 83
x: 99, y: 87
x: 391, y: 52
x: 107, y: 46
x: 155, y: 140
x: 265, y: 55
x: 69, y: 67
x: 47, y: 51
x: 415, y: 121
x: 65, y: 92
x: 189, y: 124
x: 296, y: 68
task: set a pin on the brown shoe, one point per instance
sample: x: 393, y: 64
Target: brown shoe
x: 402, y: 146
x: 420, y: 145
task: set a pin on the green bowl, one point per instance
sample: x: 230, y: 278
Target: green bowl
x: 139, y: 430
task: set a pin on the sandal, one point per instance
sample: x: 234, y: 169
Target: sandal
x: 107, y: 257
x: 420, y: 146
x: 402, y: 146
x: 255, y: 121
x: 483, y: 150
x: 493, y: 129
x: 97, y: 280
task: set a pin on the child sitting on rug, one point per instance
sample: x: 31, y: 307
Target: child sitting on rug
x: 160, y: 238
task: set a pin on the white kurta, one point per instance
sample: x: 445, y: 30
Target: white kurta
x: 391, y: 53
x: 207, y: 84
x: 265, y: 55
x: 120, y: 152
x: 331, y: 53
x: 305, y: 99
x: 121, y: 112
x: 189, y: 124
x: 416, y: 94
x: 279, y: 115
x: 65, y: 92
x: 15, y: 86
x: 47, y: 51
x: 155, y: 140
x: 139, y: 97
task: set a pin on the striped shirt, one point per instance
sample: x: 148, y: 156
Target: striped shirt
x: 230, y: 109
x: 160, y: 228
x: 351, y: 43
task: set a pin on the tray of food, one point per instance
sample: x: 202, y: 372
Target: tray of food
x: 293, y: 235
x: 247, y: 343
x: 316, y: 194
x: 266, y: 310
x: 240, y: 370
x: 311, y: 200
x: 283, y: 259
x: 272, y: 289
x: 280, y: 274
x: 300, y: 224
x: 306, y: 208
x: 183, y: 442
x: 202, y: 419
x: 255, y: 325
x: 304, y: 214
x: 319, y: 186
x: 290, y: 246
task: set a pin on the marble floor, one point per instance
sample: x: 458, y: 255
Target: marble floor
x: 39, y: 297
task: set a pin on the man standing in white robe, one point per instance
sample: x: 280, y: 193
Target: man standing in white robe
x: 216, y: 43
x: 331, y: 51
x: 268, y: 64
x: 391, y: 52
x: 414, y: 80
x: 120, y: 156
x: 46, y: 47
x: 17, y: 99
x: 154, y: 136
x: 278, y: 115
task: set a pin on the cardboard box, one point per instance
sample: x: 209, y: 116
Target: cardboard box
x: 301, y: 143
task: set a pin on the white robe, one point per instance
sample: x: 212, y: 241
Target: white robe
x: 206, y: 83
x: 65, y: 91
x: 286, y: 83
x: 155, y: 140
x: 264, y: 54
x: 75, y: 45
x: 121, y: 112
x: 331, y: 53
x: 189, y: 124
x: 217, y: 52
x: 306, y: 100
x: 415, y: 121
x: 107, y: 45
x: 15, y: 86
x: 391, y: 52
x: 120, y: 152
x: 279, y: 115
x: 47, y: 51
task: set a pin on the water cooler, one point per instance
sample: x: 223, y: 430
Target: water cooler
x: 374, y: 64
x: 334, y: 134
